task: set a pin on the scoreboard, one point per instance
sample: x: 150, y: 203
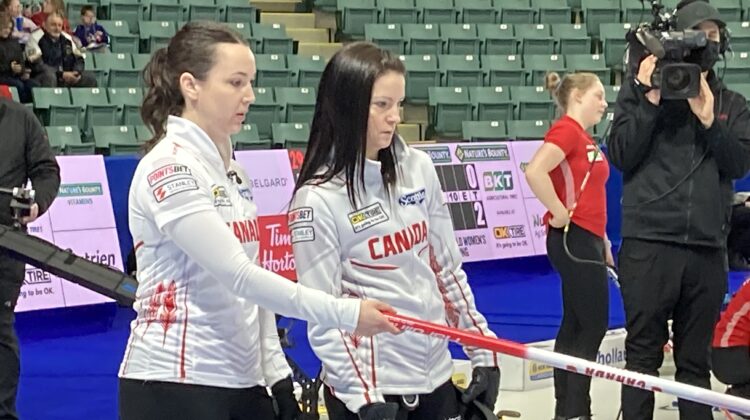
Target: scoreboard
x: 495, y: 214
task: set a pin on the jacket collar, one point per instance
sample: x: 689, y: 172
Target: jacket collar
x: 187, y: 134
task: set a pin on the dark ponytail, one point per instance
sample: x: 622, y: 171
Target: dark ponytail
x: 191, y: 50
x: 163, y: 97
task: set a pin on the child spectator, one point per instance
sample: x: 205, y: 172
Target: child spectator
x: 93, y: 36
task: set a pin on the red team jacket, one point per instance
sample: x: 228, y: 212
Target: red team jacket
x: 733, y: 328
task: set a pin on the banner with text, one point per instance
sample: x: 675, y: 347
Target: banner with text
x: 272, y: 184
x: 80, y: 219
x: 494, y: 214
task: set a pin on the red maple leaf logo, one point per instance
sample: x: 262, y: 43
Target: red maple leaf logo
x: 162, y: 307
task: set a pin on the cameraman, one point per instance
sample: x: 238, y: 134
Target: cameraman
x: 24, y: 155
x: 678, y: 159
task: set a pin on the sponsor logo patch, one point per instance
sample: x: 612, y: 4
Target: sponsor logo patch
x: 510, y: 232
x: 367, y: 217
x: 413, y: 198
x: 300, y: 215
x: 221, y: 198
x: 171, y: 188
x: 302, y: 234
x: 167, y: 172
x: 246, y: 193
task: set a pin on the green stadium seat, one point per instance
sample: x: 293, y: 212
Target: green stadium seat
x: 635, y: 11
x: 740, y: 35
x: 592, y: 63
x: 449, y: 106
x: 460, y: 38
x: 297, y: 103
x: 503, y: 70
x: 484, y: 130
x: 142, y: 133
x: 248, y: 139
x: 272, y: 71
x: 54, y: 107
x: 423, y: 38
x: 156, y: 34
x: 354, y: 15
x: 596, y: 12
x: 552, y: 11
x: 491, y: 103
x: 61, y: 137
x: 386, y: 35
x: 237, y: 11
x: 497, y: 39
x: 291, y: 134
x: 129, y: 11
x: 475, y: 11
x: 515, y: 12
x: 600, y: 129
x: 436, y: 11
x: 535, y: 39
x: 461, y: 70
x: 306, y: 70
x: 572, y: 38
x: 421, y: 73
x: 116, y: 140
x: 398, y: 11
x: 730, y: 10
x: 129, y: 101
x: 273, y: 38
x: 527, y: 130
x: 613, y: 43
x: 264, y: 112
x: 121, y: 40
x: 537, y: 67
x: 115, y: 27
x: 163, y: 10
x: 532, y: 102
x: 735, y: 69
x: 200, y: 10
x: 95, y: 108
x: 743, y: 89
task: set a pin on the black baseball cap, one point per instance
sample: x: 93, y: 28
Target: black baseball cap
x: 690, y: 14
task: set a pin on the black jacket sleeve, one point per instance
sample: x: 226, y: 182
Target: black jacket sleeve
x: 634, y: 121
x: 729, y: 139
x: 41, y: 165
x: 79, y: 64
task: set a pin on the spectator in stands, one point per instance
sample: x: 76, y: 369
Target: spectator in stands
x: 13, y: 68
x: 678, y: 160
x: 26, y: 155
x: 357, y: 165
x: 568, y: 174
x: 22, y: 26
x: 60, y: 54
x: 215, y: 349
x: 730, y: 355
x: 48, y: 7
x: 92, y: 35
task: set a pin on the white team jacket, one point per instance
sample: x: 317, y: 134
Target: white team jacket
x: 190, y: 327
x: 401, y: 251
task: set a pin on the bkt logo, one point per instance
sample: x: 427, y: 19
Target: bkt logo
x: 498, y: 181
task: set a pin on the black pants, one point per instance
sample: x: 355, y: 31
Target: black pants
x: 11, y: 278
x: 585, y: 292
x: 660, y: 281
x: 23, y: 86
x: 440, y: 404
x: 731, y: 365
x: 149, y: 400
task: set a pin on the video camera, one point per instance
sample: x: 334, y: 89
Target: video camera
x: 675, y: 75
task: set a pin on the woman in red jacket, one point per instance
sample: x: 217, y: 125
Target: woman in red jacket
x: 568, y: 174
x: 730, y: 357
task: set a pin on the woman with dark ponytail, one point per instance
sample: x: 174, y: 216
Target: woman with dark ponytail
x: 203, y: 344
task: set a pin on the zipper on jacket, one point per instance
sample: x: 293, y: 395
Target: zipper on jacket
x: 690, y: 195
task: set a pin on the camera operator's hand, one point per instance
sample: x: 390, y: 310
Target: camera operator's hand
x: 703, y: 104
x: 33, y: 214
x: 645, y: 71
